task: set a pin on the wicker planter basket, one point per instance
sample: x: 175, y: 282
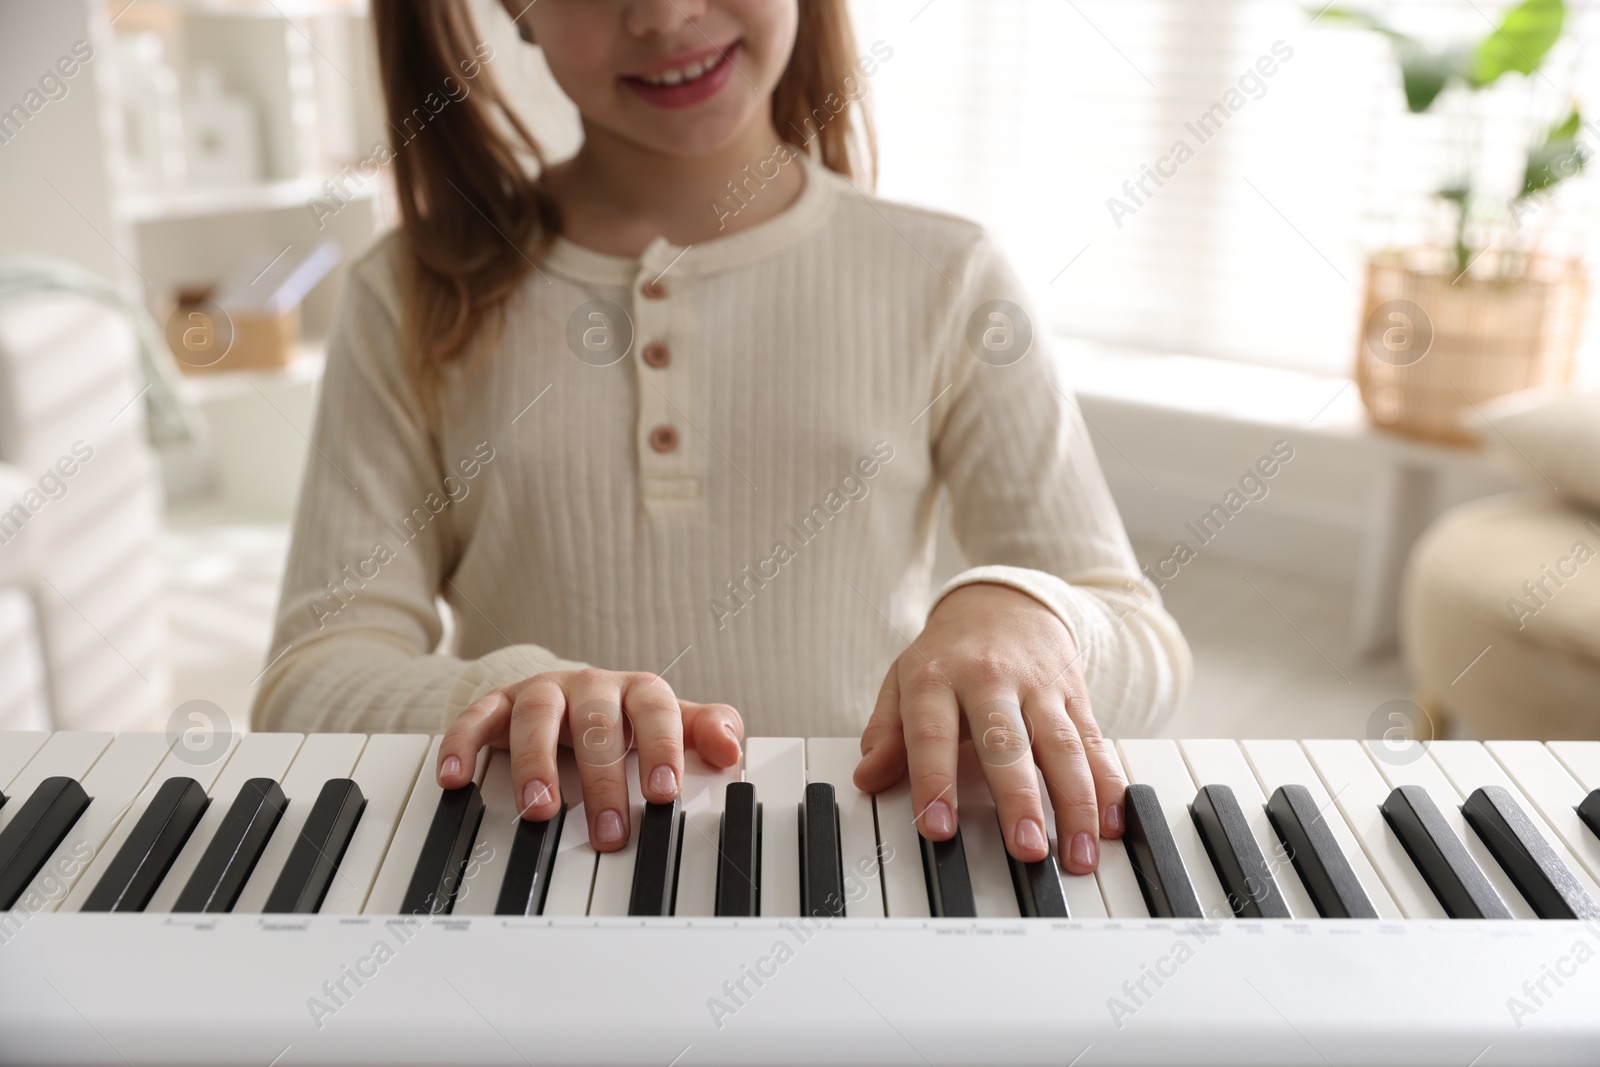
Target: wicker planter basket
x: 1432, y: 346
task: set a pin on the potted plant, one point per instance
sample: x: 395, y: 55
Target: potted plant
x: 1487, y: 311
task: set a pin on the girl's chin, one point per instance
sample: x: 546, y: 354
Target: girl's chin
x: 685, y: 135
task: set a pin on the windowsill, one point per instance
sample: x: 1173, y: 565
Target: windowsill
x: 1324, y: 406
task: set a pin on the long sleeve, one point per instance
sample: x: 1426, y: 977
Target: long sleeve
x: 1030, y: 506
x: 375, y: 539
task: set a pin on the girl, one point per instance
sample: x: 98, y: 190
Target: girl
x: 668, y: 420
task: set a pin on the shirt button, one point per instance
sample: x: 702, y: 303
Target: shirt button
x: 654, y: 290
x: 657, y: 354
x: 664, y: 438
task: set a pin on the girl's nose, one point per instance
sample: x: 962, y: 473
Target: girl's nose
x: 662, y: 16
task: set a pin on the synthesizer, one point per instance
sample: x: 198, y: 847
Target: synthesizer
x: 310, y: 899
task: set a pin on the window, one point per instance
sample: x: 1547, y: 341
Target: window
x: 1297, y: 155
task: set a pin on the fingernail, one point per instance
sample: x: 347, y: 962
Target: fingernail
x: 1085, y: 852
x: 664, y: 781
x: 534, y: 794
x: 450, y: 766
x: 727, y: 728
x: 608, y: 827
x: 938, y: 819
x: 1030, y: 835
x: 1113, y: 817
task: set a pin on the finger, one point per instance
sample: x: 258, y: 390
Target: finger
x: 652, y: 707
x: 535, y: 736
x: 594, y: 715
x: 713, y: 730
x: 1058, y: 749
x: 482, y: 722
x: 931, y: 726
x: 1000, y: 740
x: 1109, y: 784
x: 883, y: 742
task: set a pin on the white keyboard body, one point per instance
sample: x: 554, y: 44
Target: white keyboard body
x: 357, y: 983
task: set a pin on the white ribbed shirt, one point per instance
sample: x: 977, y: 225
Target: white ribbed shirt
x: 721, y: 463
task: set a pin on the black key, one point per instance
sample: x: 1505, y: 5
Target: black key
x: 655, y: 865
x: 533, y: 856
x: 944, y: 865
x: 232, y: 855
x: 315, y: 857
x: 1332, y: 885
x: 1535, y: 869
x: 821, y: 858
x: 1589, y: 812
x: 442, y: 863
x: 1252, y: 891
x: 1446, y: 865
x: 1168, y: 893
x: 739, y: 854
x: 1038, y: 886
x: 41, y: 823
x: 135, y: 873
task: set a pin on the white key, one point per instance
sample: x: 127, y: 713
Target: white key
x: 905, y: 886
x: 572, y: 874
x: 777, y: 768
x: 1554, y: 793
x: 833, y: 760
x: 1280, y: 763
x: 68, y: 753
x: 703, y: 795
x: 322, y: 757
x: 17, y: 747
x: 113, y: 783
x: 256, y: 756
x: 1582, y: 760
x: 993, y: 892
x: 613, y: 873
x: 387, y: 770
x: 1218, y: 762
x: 1469, y: 765
x: 1426, y: 773
x: 1159, y: 764
x: 1359, y: 791
x: 1090, y: 896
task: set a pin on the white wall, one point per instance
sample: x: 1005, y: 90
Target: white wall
x: 53, y: 172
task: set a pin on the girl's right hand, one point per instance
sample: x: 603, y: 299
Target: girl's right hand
x: 600, y: 715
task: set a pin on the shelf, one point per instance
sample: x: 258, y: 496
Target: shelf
x: 264, y: 9
x: 220, y: 385
x: 201, y: 201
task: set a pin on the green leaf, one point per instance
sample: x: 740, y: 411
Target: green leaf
x: 1521, y: 41
x: 1425, y: 73
x: 1560, y: 157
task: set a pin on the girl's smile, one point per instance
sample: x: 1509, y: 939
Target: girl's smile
x: 686, y: 79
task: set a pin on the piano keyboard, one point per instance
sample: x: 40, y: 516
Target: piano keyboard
x: 336, y: 837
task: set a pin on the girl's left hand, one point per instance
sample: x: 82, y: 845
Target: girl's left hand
x: 994, y: 664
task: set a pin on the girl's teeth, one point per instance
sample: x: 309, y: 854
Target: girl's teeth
x: 693, y: 72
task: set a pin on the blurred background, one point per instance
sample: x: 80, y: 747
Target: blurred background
x: 1351, y: 244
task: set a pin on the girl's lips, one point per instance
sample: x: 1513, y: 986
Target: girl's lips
x: 686, y: 94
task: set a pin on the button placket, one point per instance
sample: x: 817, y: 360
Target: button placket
x: 668, y: 448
